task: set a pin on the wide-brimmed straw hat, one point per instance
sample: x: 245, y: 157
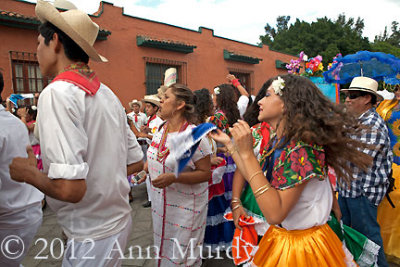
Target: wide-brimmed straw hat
x: 154, y: 99
x: 74, y: 23
x: 135, y: 102
x: 364, y: 84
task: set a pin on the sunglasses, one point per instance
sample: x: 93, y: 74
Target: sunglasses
x: 354, y: 95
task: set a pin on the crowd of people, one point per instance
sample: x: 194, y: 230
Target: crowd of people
x: 267, y: 162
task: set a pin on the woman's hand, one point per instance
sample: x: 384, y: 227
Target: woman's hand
x: 164, y: 180
x: 236, y: 215
x: 221, y: 137
x: 230, y: 77
x: 242, y: 137
x: 216, y: 160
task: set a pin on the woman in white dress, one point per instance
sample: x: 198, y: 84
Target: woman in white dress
x: 179, y: 204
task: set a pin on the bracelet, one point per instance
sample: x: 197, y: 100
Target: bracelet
x: 234, y: 148
x: 235, y: 199
x: 262, y: 190
x: 236, y: 207
x: 254, y: 175
x: 235, y: 82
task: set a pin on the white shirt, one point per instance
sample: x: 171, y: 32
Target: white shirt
x: 153, y: 125
x: 312, y: 208
x: 141, y: 119
x: 242, y: 103
x: 87, y: 137
x: 20, y: 203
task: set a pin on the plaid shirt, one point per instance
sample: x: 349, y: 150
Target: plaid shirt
x: 373, y: 183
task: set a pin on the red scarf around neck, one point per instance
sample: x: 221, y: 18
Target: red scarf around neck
x: 80, y: 75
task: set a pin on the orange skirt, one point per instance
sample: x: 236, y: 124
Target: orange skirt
x: 317, y: 246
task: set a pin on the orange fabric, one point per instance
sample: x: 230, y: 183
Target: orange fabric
x: 317, y: 246
x: 245, y: 240
x: 389, y: 220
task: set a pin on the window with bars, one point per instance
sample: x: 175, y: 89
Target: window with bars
x: 155, y: 71
x: 26, y: 75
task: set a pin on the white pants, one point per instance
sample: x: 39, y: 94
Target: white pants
x: 148, y: 187
x: 98, y: 253
x: 15, y: 243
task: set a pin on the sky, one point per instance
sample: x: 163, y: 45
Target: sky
x: 244, y: 20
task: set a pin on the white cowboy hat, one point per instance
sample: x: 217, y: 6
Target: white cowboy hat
x: 364, y: 84
x: 386, y: 94
x: 74, y: 23
x: 154, y: 99
x: 133, y: 102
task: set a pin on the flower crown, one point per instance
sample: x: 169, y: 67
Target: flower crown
x: 217, y: 91
x: 278, y: 85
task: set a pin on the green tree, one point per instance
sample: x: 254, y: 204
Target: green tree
x: 388, y: 42
x: 323, y: 37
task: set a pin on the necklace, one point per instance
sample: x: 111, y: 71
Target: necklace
x: 266, y: 153
x: 163, y: 151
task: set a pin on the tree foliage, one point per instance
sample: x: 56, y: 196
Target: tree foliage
x: 323, y: 37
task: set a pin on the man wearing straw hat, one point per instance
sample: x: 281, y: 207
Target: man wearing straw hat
x: 138, y: 118
x: 359, y: 201
x: 87, y: 146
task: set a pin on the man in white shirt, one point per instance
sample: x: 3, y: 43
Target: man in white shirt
x: 87, y: 147
x: 20, y: 203
x: 138, y: 118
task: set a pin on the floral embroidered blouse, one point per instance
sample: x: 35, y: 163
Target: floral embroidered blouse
x: 297, y: 163
x: 220, y: 120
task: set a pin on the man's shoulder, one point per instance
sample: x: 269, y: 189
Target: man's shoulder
x: 373, y: 119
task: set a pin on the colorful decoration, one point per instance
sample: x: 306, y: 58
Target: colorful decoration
x: 314, y: 66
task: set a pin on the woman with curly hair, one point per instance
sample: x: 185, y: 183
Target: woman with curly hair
x: 225, y: 116
x: 294, y: 195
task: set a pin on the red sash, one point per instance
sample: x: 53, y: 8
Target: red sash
x: 81, y: 76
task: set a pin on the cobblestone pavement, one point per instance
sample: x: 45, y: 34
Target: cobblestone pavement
x: 49, y: 236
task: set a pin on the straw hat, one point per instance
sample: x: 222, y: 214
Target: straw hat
x: 74, y: 23
x: 154, y: 99
x: 67, y: 5
x: 364, y: 84
x: 133, y: 102
x: 161, y: 91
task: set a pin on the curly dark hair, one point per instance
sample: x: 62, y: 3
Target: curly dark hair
x: 313, y: 118
x: 251, y: 114
x: 227, y: 102
x: 204, y: 105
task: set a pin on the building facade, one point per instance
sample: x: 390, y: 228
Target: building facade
x: 139, y: 51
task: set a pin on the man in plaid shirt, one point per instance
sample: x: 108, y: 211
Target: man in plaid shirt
x: 359, y: 202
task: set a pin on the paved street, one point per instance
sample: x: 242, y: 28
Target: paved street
x: 142, y: 235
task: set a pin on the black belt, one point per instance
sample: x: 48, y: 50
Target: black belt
x: 142, y: 142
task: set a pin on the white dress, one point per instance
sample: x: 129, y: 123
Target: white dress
x: 179, y: 210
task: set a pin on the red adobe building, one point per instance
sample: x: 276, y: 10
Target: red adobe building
x: 139, y: 51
